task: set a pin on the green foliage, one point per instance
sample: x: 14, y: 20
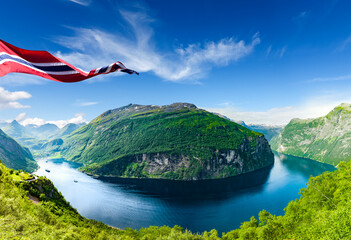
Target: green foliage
x: 326, y: 139
x: 54, y: 218
x: 14, y: 155
x: 115, y: 142
x: 322, y: 212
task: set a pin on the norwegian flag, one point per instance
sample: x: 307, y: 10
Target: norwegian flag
x: 43, y: 64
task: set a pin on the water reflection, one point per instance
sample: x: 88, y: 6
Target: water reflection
x: 194, y: 190
x: 198, y: 206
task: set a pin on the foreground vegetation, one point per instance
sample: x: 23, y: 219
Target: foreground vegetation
x: 322, y: 212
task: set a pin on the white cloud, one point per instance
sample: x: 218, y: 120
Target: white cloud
x: 86, y: 104
x: 10, y: 99
x: 328, y: 79
x: 82, y: 2
x: 312, y: 108
x: 94, y: 48
x: 25, y: 120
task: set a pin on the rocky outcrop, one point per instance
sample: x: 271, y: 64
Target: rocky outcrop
x: 224, y: 163
x: 326, y: 139
x: 177, y: 141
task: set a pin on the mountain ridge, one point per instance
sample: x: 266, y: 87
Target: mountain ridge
x: 326, y: 139
x: 177, y: 141
x: 14, y: 155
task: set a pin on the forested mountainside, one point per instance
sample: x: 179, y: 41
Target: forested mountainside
x: 177, y: 141
x: 14, y: 155
x: 326, y: 139
x: 322, y: 212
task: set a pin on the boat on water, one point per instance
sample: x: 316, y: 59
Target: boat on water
x: 47, y: 170
x: 75, y: 181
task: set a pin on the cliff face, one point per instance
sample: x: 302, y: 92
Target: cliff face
x: 326, y: 139
x: 177, y: 141
x: 224, y: 163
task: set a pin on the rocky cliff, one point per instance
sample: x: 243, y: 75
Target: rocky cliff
x: 224, y: 163
x: 177, y: 141
x: 326, y: 139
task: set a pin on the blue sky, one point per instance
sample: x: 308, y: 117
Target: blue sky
x: 257, y: 61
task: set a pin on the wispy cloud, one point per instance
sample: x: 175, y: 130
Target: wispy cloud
x: 10, y: 99
x: 277, y: 52
x: 82, y: 2
x: 269, y: 49
x: 345, y: 44
x: 282, y: 51
x: 312, y: 108
x: 301, y: 16
x: 330, y: 79
x: 25, y: 120
x: 93, y: 47
x: 19, y: 79
x: 84, y: 103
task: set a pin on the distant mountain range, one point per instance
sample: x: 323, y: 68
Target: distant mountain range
x: 269, y: 131
x: 177, y: 141
x: 33, y: 136
x: 326, y: 139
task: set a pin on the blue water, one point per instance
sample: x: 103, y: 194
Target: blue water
x: 197, y: 206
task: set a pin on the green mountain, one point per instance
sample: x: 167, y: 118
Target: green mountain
x: 14, y: 129
x: 177, y: 141
x: 44, y: 131
x: 68, y: 129
x: 36, y: 210
x: 268, y: 131
x: 36, y: 137
x: 326, y: 139
x: 14, y: 155
x: 24, y: 135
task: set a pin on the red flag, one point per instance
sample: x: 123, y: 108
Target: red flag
x: 43, y: 64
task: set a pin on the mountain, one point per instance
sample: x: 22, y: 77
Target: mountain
x: 14, y: 129
x: 44, y: 131
x: 14, y: 155
x: 23, y: 135
x: 268, y: 131
x: 68, y: 129
x: 177, y: 141
x: 326, y: 139
x: 242, y: 123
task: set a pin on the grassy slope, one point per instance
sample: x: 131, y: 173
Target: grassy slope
x: 326, y: 139
x: 54, y: 218
x: 14, y: 155
x: 322, y: 212
x: 191, y: 132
